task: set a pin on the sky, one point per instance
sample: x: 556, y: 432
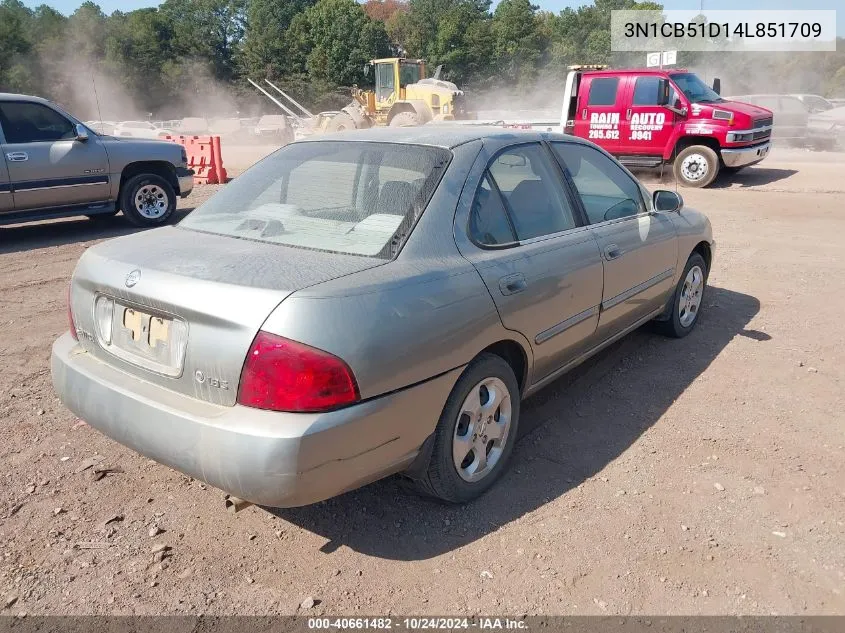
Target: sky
x: 69, y: 6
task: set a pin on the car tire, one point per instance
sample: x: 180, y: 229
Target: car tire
x: 148, y: 200
x: 457, y: 433
x: 696, y: 166
x: 405, y: 119
x: 687, y: 300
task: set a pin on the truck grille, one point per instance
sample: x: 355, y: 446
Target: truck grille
x: 763, y: 122
x: 761, y: 134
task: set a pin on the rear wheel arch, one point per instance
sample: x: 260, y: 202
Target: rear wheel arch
x: 514, y: 355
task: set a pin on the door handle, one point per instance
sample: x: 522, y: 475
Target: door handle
x: 512, y: 284
x: 17, y: 157
x: 612, y: 251
x: 628, y: 114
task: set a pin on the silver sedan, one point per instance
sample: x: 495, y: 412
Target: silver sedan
x: 372, y: 303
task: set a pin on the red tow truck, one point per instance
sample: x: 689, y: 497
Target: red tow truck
x: 651, y: 117
x: 648, y: 118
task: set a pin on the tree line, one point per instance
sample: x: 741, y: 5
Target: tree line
x: 192, y: 57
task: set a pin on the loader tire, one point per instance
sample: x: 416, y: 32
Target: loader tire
x: 341, y: 122
x: 405, y: 119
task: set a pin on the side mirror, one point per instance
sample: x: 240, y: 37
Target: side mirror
x: 663, y: 91
x: 667, y: 201
x: 81, y: 133
x: 717, y: 85
x: 366, y: 70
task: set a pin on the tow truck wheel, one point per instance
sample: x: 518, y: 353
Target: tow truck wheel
x: 696, y: 166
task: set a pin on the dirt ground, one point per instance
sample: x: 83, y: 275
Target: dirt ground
x: 700, y: 476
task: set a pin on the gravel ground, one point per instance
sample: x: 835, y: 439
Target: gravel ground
x: 700, y: 476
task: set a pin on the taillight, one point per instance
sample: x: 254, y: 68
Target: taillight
x: 283, y: 375
x: 71, y: 324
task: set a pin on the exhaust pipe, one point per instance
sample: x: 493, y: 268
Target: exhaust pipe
x: 234, y: 504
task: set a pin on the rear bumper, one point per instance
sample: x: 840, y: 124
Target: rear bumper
x: 268, y: 458
x: 741, y: 156
x: 186, y: 181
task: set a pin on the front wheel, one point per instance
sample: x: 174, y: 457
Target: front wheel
x: 686, y: 302
x: 476, y: 432
x: 696, y: 166
x: 148, y: 200
x: 405, y: 119
x: 341, y: 122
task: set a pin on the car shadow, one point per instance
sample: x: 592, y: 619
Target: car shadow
x: 749, y: 177
x: 18, y: 238
x: 569, y: 432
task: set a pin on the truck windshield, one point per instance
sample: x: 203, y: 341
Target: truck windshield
x: 695, y: 89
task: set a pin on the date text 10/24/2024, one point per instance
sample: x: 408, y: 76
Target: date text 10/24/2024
x: 416, y: 623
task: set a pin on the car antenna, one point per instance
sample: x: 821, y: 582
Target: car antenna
x: 97, y: 98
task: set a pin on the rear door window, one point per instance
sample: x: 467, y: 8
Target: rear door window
x: 489, y: 224
x: 533, y: 192
x: 603, y: 91
x: 647, y: 91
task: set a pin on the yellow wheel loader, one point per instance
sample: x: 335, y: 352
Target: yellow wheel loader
x: 403, y: 96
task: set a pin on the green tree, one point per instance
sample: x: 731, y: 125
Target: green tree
x: 265, y: 49
x: 138, y: 47
x: 449, y: 32
x: 15, y: 69
x: 208, y: 32
x: 333, y: 40
x: 520, y: 40
x: 85, y: 33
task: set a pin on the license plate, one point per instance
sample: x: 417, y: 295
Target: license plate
x: 152, y: 341
x: 146, y: 329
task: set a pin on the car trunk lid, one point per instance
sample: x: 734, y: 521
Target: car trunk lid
x: 186, y: 305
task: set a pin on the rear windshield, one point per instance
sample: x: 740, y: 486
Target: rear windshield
x: 349, y: 197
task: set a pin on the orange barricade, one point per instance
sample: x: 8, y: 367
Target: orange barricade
x: 205, y: 157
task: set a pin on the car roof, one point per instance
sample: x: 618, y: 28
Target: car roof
x: 440, y: 135
x: 9, y: 96
x: 639, y: 71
